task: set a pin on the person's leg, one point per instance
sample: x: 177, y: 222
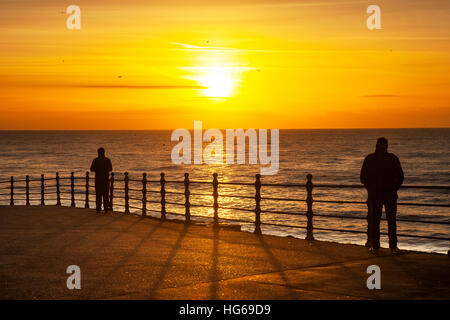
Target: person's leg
x: 377, y: 207
x: 98, y: 198
x: 105, y: 198
x: 369, y: 222
x: 391, y: 216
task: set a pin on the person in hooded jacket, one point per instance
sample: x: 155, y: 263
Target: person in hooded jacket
x: 382, y: 176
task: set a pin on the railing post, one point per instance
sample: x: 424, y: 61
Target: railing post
x: 58, y: 191
x: 27, y: 190
x: 144, y: 194
x: 162, y: 181
x: 86, y: 201
x: 309, y: 212
x: 11, y: 201
x: 72, y: 189
x: 215, y: 184
x: 42, y: 190
x: 187, y: 204
x: 111, y: 192
x: 258, y: 204
x: 127, y: 198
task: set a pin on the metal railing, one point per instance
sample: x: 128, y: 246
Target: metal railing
x: 16, y: 189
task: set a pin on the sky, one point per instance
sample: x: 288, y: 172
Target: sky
x: 138, y: 65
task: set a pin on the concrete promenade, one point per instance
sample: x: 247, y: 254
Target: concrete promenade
x: 129, y: 257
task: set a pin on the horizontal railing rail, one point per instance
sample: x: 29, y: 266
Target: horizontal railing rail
x: 27, y: 193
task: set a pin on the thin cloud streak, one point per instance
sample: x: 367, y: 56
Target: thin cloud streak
x: 136, y: 86
x: 107, y: 86
x: 381, y: 96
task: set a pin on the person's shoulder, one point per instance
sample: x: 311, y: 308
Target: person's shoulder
x: 392, y: 156
x: 107, y: 159
x: 370, y: 156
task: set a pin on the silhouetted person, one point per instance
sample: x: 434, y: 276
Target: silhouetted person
x: 382, y: 175
x: 101, y: 166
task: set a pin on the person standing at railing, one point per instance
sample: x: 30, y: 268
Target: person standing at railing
x: 101, y: 166
x: 382, y: 175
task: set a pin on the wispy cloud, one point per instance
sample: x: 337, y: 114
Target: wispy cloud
x: 107, y: 86
x: 187, y: 46
x: 381, y: 96
x: 113, y: 86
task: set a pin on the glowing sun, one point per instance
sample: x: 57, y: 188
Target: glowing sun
x: 219, y: 82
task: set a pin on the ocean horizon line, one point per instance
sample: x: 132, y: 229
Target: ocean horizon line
x: 284, y: 129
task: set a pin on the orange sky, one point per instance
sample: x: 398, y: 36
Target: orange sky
x: 282, y: 64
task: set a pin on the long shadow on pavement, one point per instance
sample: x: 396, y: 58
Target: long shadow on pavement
x: 166, y: 267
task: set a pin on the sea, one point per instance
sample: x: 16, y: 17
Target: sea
x: 331, y: 156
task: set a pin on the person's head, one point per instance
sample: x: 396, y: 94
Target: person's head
x: 101, y: 152
x: 382, y: 145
